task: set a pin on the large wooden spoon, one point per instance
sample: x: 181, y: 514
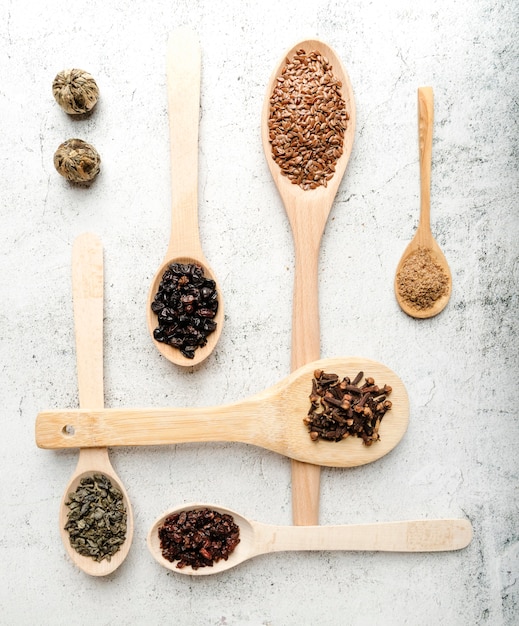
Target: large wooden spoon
x: 423, y: 238
x: 272, y: 419
x: 87, y: 290
x: 183, y: 79
x: 257, y: 538
x: 308, y: 212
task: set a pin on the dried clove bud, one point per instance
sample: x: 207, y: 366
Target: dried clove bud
x: 77, y: 161
x: 340, y: 408
x: 75, y: 91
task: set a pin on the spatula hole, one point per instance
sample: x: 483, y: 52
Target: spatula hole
x: 68, y: 430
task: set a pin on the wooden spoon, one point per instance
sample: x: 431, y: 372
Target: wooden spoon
x: 423, y: 237
x: 257, y: 538
x: 307, y: 211
x: 183, y: 78
x: 87, y: 289
x: 272, y: 419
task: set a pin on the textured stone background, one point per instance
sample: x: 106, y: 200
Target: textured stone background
x: 459, y: 456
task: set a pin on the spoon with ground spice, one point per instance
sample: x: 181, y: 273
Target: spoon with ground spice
x: 185, y: 307
x: 102, y: 525
x: 211, y: 548
x: 275, y: 419
x: 307, y: 129
x: 423, y: 280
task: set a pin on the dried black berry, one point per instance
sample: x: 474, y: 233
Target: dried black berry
x: 185, y: 304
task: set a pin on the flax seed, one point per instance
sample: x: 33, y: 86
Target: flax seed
x: 307, y: 120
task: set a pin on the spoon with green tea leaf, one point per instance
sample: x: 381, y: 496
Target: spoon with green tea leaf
x: 184, y: 248
x: 87, y: 291
x: 423, y: 280
x: 256, y: 538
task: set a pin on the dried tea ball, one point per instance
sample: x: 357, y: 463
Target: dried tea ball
x: 75, y: 91
x: 77, y: 161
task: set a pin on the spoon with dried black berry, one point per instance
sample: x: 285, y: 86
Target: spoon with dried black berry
x: 229, y: 539
x: 184, y: 308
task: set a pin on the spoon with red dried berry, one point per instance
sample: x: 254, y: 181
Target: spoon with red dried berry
x: 201, y: 539
x: 184, y: 308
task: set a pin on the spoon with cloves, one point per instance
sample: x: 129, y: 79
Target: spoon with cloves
x: 273, y: 419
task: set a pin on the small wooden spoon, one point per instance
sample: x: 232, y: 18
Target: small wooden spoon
x: 272, y: 419
x: 87, y: 288
x: 307, y: 211
x: 423, y: 237
x: 257, y: 538
x: 183, y: 78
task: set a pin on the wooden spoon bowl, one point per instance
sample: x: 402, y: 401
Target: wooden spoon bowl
x: 307, y: 212
x: 257, y: 538
x: 95, y: 461
x: 169, y: 352
x: 183, y: 79
x: 311, y: 204
x: 423, y: 239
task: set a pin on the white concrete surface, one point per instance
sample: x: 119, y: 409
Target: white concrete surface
x: 459, y: 456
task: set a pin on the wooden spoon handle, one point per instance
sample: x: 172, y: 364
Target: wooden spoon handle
x: 425, y: 135
x: 305, y: 348
x: 87, y: 296
x: 183, y: 80
x: 408, y: 536
x: 305, y: 308
x: 87, y: 293
x: 154, y: 426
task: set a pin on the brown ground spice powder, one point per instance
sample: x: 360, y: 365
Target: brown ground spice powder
x: 421, y: 281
